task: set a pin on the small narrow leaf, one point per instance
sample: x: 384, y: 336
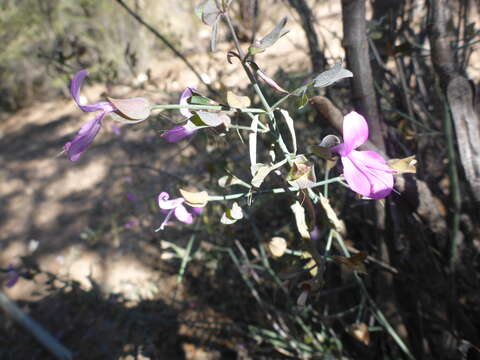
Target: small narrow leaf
x: 237, y: 101
x: 328, y: 77
x: 270, y: 39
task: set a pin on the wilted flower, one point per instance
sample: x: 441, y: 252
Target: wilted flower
x: 366, y: 172
x: 175, y: 207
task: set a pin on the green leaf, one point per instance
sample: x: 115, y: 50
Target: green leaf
x: 200, y: 100
x: 303, y: 101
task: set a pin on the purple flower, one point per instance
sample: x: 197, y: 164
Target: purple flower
x: 366, y: 172
x: 130, y: 224
x: 131, y: 197
x: 12, y: 275
x: 130, y: 111
x: 180, y: 132
x: 174, y: 206
x: 89, y: 130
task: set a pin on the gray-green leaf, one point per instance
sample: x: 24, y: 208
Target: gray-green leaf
x: 332, y: 75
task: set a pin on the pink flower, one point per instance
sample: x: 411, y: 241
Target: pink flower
x: 366, y: 172
x: 175, y: 207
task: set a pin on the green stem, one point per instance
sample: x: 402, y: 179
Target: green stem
x: 377, y: 312
x: 269, y: 191
x: 207, y: 107
x: 245, y: 128
x: 258, y: 91
x: 282, y: 99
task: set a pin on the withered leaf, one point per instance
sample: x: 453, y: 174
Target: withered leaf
x: 237, y: 101
x: 195, y: 199
x: 360, y: 332
x: 353, y: 263
x: 406, y: 165
x: 277, y: 246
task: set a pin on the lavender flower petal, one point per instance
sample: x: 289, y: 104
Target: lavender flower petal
x: 84, y: 138
x: 177, y: 133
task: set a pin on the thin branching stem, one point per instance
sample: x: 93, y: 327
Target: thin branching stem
x: 269, y: 191
x: 207, y: 108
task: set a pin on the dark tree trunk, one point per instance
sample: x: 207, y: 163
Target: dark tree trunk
x: 355, y: 43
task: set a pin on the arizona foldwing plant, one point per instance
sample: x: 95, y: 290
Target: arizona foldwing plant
x: 287, y: 161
